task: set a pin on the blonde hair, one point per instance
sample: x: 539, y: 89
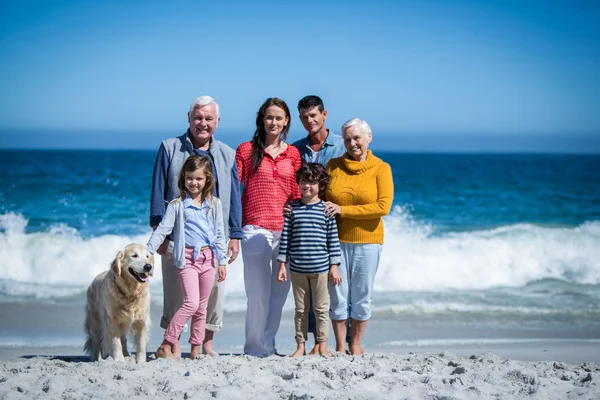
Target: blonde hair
x: 193, y: 163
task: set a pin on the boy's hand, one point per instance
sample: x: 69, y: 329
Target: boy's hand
x: 334, y: 275
x: 282, y: 275
x: 287, y: 209
x: 222, y: 273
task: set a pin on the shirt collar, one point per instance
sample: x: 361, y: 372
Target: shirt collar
x: 191, y: 145
x: 328, y: 140
x: 189, y: 203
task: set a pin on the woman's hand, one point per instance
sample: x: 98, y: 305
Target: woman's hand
x: 222, y: 273
x: 282, y: 275
x: 334, y: 275
x: 332, y: 209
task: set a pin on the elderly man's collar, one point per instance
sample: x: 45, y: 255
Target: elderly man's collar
x: 188, y: 139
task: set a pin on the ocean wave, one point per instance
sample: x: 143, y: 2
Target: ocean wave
x: 60, y: 262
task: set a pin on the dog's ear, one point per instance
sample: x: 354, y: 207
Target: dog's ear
x: 116, y: 264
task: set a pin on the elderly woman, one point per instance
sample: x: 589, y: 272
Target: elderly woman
x: 360, y: 193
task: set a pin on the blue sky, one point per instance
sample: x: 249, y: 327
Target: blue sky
x: 427, y: 75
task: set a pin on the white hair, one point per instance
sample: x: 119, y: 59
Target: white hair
x: 204, y: 101
x: 362, y: 125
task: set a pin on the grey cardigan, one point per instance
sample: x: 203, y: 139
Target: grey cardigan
x: 174, y: 222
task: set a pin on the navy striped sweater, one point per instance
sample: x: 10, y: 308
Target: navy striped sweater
x: 309, y: 240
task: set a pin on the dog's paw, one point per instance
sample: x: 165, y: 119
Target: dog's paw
x: 140, y: 357
x: 119, y: 358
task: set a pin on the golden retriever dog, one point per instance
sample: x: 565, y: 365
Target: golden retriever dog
x: 118, y: 303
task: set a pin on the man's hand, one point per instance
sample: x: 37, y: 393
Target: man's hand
x: 233, y: 249
x: 222, y: 273
x: 282, y: 275
x: 334, y: 275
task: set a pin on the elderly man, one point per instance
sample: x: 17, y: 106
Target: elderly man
x: 320, y: 146
x: 203, y: 118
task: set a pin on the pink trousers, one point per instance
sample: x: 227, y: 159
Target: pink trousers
x: 196, y: 280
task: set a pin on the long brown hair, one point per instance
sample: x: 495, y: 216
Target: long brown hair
x: 193, y: 163
x: 258, y: 140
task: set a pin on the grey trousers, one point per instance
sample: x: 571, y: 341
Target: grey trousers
x: 173, y: 296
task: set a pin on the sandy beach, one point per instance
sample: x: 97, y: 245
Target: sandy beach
x: 420, y: 358
x: 420, y: 375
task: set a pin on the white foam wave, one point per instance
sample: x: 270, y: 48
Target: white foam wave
x: 414, y: 259
x: 479, y: 341
x: 60, y: 262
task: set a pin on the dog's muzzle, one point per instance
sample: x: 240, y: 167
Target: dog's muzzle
x: 142, y: 277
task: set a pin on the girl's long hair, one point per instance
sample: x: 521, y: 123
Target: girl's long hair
x: 258, y: 140
x: 193, y: 163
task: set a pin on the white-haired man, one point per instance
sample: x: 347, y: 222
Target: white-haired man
x: 203, y: 119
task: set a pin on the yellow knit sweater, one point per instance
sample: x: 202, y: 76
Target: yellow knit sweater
x: 364, y: 191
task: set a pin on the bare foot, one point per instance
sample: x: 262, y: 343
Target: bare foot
x: 300, y: 351
x: 356, y: 351
x: 164, y: 351
x: 176, y: 349
x: 340, y: 349
x: 323, y: 349
x: 315, y: 350
x: 208, y: 349
x: 194, y: 351
x: 210, y: 352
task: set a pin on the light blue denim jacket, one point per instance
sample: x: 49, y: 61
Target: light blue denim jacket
x: 332, y: 148
x: 174, y: 222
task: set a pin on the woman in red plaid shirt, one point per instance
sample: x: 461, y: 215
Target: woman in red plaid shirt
x: 267, y: 168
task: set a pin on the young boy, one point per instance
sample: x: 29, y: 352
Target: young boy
x: 310, y: 245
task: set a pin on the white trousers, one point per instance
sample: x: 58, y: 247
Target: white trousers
x: 266, y: 296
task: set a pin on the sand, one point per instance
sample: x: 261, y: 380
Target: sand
x: 415, y: 375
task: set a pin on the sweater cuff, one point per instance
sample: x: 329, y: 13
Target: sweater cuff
x: 235, y: 232
x: 282, y: 258
x: 155, y: 220
x: 335, y: 260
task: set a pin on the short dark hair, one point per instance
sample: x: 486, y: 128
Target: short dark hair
x: 314, y: 173
x: 308, y: 102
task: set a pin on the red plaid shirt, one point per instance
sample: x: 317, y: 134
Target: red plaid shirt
x: 267, y: 189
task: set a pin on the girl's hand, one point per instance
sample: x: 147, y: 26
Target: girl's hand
x: 334, y: 275
x: 332, y: 209
x: 162, y: 249
x: 222, y: 273
x: 282, y: 275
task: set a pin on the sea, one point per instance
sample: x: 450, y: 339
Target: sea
x: 479, y: 248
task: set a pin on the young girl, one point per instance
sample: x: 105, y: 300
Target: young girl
x: 196, y: 222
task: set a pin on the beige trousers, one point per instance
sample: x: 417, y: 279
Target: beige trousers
x: 302, y: 285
